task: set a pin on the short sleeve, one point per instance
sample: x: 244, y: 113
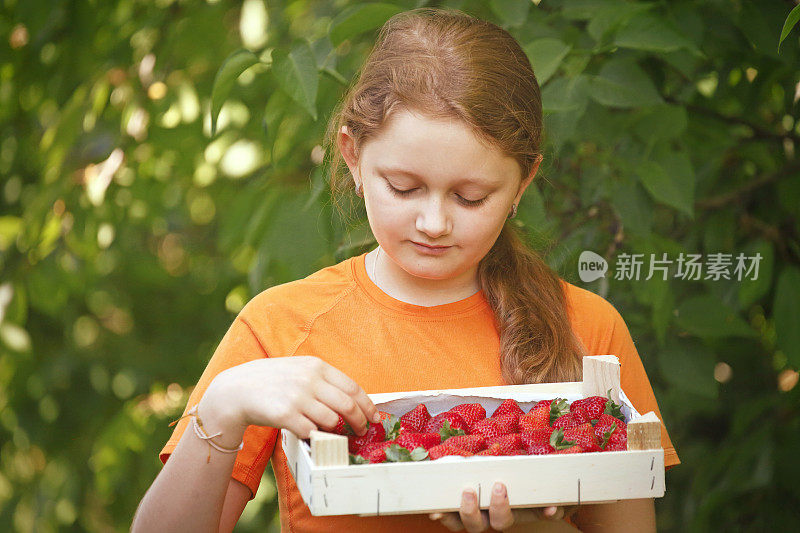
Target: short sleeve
x: 239, y: 345
x: 634, y: 380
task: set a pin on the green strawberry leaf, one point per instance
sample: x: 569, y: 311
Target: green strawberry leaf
x: 419, y: 454
x: 613, y: 409
x: 397, y: 454
x: 357, y: 460
x: 607, y: 435
x: 558, y: 408
x: 391, y: 426
x: 446, y: 432
x: 557, y: 440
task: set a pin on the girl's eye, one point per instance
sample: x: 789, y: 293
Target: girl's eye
x: 464, y: 201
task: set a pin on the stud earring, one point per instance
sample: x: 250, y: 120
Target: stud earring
x: 513, y: 212
x: 359, y: 190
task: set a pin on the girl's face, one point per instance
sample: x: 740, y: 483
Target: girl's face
x: 433, y: 182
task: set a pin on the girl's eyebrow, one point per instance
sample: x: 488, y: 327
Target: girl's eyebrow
x: 475, y: 181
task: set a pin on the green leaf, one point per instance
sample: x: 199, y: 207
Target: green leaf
x: 750, y: 289
x: 622, y: 83
x: 296, y: 73
x: 419, y: 454
x: 446, y: 432
x: 546, y: 55
x: 689, y: 366
x: 357, y: 460
x: 709, y: 317
x: 512, y: 13
x: 391, y: 427
x: 791, y: 21
x: 231, y: 68
x: 666, y: 187
x: 358, y: 19
x: 785, y: 311
x: 651, y: 33
x: 397, y: 454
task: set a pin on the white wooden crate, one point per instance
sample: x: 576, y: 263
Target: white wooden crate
x: 330, y: 486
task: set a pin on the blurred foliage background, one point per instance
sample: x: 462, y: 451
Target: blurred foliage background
x: 130, y: 236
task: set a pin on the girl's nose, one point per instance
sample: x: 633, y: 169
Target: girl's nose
x: 433, y: 219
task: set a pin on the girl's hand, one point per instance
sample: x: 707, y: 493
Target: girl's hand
x: 297, y: 393
x: 500, y: 515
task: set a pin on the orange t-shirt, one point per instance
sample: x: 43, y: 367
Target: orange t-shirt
x: 339, y: 315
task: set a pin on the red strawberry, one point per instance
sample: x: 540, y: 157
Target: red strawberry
x: 492, y: 450
x: 537, y: 436
x: 471, y: 443
x: 593, y: 405
x: 445, y: 449
x: 580, y: 414
x: 342, y: 427
x: 508, y: 423
x: 435, y: 424
x: 571, y: 449
x: 547, y: 411
x: 410, y: 441
x: 375, y: 452
x: 606, y: 426
x: 375, y: 433
x: 533, y: 421
x: 583, y: 436
x: 508, y: 406
x: 414, y: 421
x: 618, y: 442
x: 565, y: 421
x: 487, y: 428
x: 539, y: 449
x: 470, y: 412
x: 507, y: 443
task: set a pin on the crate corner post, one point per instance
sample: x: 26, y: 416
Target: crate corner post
x: 601, y: 373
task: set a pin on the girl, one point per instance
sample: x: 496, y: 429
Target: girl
x: 440, y: 136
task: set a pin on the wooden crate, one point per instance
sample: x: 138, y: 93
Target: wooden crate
x: 330, y: 486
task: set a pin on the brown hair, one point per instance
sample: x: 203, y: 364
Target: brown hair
x: 446, y: 64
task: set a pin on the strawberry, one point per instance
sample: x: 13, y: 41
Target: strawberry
x: 470, y: 443
x: 539, y: 449
x: 537, y: 436
x: 547, y: 411
x: 565, y: 421
x: 571, y: 449
x: 470, y: 412
x: 414, y: 421
x: 375, y: 452
x: 508, y: 423
x: 410, y: 441
x: 593, y: 405
x: 533, y: 422
x: 580, y: 414
x: 508, y: 406
x: 487, y: 428
x: 375, y: 433
x: 445, y: 449
x: 507, y: 443
x: 342, y: 427
x: 437, y: 423
x: 618, y: 442
x: 606, y: 426
x: 583, y: 436
x: 492, y: 450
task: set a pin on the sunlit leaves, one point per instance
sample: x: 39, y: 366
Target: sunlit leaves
x: 546, y: 56
x: 232, y: 68
x: 359, y: 18
x: 296, y: 72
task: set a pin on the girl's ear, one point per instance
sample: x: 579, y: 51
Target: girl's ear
x: 527, y: 181
x: 347, y: 148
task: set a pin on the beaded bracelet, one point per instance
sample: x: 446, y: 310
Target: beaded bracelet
x: 197, y: 424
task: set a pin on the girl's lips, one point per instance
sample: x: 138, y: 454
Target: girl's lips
x: 429, y: 250
x: 429, y: 246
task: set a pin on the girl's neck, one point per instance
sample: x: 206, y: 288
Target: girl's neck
x: 402, y: 286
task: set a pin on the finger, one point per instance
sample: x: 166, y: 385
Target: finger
x: 343, y: 382
x: 500, y: 515
x: 452, y: 522
x: 301, y: 426
x: 320, y: 414
x: 340, y: 402
x: 470, y: 512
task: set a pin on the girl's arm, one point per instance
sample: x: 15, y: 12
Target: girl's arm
x: 188, y: 494
x: 624, y: 516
